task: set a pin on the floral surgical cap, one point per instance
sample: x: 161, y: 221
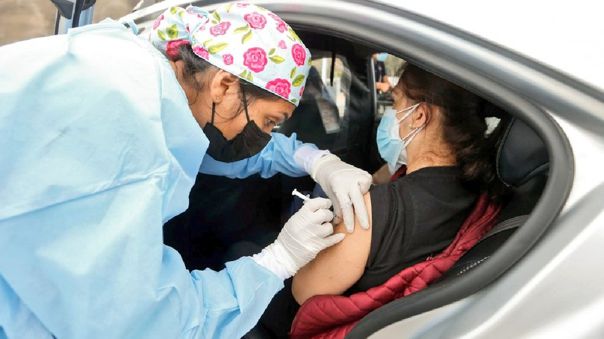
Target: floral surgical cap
x: 243, y: 39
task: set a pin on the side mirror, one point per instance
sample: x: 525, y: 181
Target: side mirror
x: 72, y: 13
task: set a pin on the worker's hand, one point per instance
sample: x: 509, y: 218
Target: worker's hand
x: 345, y: 185
x: 304, y: 235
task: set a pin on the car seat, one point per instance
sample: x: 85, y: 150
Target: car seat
x: 522, y: 164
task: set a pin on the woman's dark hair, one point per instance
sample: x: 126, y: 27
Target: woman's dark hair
x: 464, y: 127
x: 195, y: 65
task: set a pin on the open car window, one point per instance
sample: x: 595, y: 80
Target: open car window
x: 386, y: 74
x: 335, y: 109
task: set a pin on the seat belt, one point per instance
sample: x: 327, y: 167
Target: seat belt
x: 508, y: 224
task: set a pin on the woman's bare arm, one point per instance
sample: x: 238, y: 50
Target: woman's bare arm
x: 337, y: 268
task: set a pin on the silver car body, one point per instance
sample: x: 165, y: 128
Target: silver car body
x: 554, y: 290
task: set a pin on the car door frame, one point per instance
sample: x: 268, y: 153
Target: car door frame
x: 522, y: 86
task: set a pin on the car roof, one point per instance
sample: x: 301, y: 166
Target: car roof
x: 562, y: 36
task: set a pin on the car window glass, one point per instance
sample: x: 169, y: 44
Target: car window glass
x: 387, y: 69
x: 330, y: 92
x: 333, y: 108
x: 336, y: 90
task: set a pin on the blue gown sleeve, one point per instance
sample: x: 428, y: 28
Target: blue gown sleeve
x: 95, y: 267
x: 282, y: 154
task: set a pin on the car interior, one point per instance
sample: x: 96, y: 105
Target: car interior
x: 340, y: 111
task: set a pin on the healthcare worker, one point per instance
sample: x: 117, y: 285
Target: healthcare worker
x: 101, y: 142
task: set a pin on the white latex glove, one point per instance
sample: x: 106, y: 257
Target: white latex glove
x: 345, y: 185
x: 304, y: 235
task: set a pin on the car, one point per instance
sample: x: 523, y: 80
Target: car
x: 540, y: 65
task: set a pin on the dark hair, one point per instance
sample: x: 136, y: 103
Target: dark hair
x: 195, y: 65
x: 464, y: 127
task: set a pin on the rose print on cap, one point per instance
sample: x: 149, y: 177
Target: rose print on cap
x: 299, y: 54
x: 228, y: 59
x: 201, y: 52
x: 255, y: 59
x: 158, y: 21
x: 256, y: 20
x: 281, y: 25
x: 281, y: 87
x: 173, y: 48
x: 220, y: 29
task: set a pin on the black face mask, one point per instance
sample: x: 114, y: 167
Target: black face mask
x: 249, y: 142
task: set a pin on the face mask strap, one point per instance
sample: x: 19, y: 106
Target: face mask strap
x: 407, y: 140
x: 409, y: 137
x: 412, y: 135
x: 409, y: 111
x: 244, y: 106
x: 213, y: 112
x: 244, y: 102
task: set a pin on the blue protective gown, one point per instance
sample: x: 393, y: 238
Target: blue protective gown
x: 98, y: 150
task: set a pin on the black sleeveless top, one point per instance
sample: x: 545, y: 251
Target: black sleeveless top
x: 414, y: 217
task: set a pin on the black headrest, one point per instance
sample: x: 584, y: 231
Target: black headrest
x: 521, y: 154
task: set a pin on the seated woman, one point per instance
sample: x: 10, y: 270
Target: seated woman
x: 438, y: 132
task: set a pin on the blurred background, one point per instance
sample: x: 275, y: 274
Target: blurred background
x: 26, y: 19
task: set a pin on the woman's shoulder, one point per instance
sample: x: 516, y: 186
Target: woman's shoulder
x: 426, y: 191
x: 430, y: 178
x: 434, y: 172
x: 427, y: 176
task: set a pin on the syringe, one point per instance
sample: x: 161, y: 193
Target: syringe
x: 296, y: 193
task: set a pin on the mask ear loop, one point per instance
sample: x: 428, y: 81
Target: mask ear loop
x: 409, y: 111
x: 244, y: 102
x: 244, y: 106
x: 407, y: 139
x: 213, y: 112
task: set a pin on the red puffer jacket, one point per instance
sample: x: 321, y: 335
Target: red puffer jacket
x: 333, y: 316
